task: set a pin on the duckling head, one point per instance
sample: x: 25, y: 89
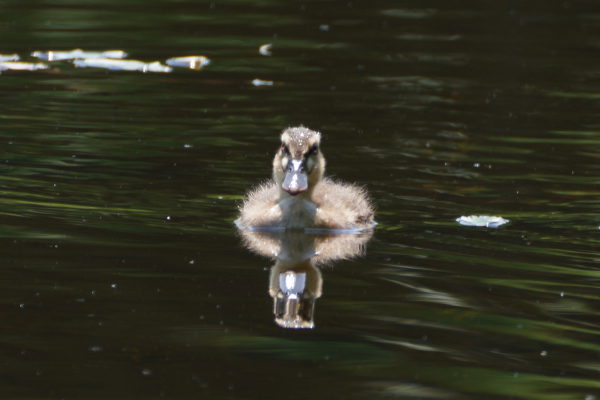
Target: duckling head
x: 298, y: 165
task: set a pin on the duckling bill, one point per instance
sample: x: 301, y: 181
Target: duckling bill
x: 300, y: 197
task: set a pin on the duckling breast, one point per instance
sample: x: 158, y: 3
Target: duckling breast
x: 297, y: 213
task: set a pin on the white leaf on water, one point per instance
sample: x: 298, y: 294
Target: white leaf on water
x: 21, y: 66
x: 486, y: 221
x: 191, y: 62
x: 260, y: 82
x: 9, y: 57
x: 122, y: 65
x: 54, y: 55
x: 265, y: 49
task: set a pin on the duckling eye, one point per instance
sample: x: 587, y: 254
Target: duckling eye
x: 313, y: 150
x: 285, y: 149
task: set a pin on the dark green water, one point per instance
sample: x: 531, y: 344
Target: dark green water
x: 122, y: 276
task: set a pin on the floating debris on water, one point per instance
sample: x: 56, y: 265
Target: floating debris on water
x: 265, y: 49
x: 21, y: 66
x: 260, y: 82
x: 191, y: 62
x: 53, y: 55
x: 9, y: 57
x: 122, y: 65
x: 482, y: 220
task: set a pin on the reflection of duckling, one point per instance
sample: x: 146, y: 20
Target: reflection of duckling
x: 295, y: 282
x: 300, y: 197
x: 295, y: 289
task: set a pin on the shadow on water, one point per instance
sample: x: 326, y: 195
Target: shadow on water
x: 122, y: 273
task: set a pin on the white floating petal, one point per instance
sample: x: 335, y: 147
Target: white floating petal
x: 21, y: 66
x: 122, y: 65
x: 9, y: 57
x: 191, y: 62
x: 260, y: 82
x: 482, y: 220
x: 53, y: 55
x: 265, y: 49
x: 156, y: 66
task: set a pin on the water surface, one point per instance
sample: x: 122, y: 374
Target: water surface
x: 123, y: 275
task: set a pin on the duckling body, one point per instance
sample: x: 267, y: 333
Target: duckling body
x: 299, y: 197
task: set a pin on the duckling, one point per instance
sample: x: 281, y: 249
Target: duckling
x: 300, y: 197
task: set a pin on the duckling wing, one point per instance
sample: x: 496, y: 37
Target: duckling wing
x: 343, y: 205
x: 260, y: 207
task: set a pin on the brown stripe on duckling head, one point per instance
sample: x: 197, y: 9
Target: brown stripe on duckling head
x: 299, y: 140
